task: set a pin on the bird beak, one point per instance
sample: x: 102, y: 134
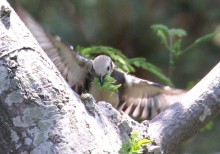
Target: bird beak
x: 101, y: 80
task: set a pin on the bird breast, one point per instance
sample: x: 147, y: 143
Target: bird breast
x: 101, y: 94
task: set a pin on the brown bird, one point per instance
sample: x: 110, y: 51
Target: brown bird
x: 139, y: 98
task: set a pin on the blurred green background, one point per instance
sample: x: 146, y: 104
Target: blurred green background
x: 125, y: 25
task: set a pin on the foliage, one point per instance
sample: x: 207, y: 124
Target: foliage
x: 172, y: 39
x: 142, y: 63
x: 120, y: 59
x: 109, y: 83
x: 123, y: 62
x: 209, y: 126
x: 134, y: 145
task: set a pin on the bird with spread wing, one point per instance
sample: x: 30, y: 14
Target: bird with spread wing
x: 139, y: 98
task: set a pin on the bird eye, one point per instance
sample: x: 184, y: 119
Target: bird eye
x: 108, y: 68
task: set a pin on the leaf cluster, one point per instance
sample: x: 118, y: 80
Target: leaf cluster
x: 172, y: 39
x: 134, y: 145
x: 119, y: 59
x: 109, y: 83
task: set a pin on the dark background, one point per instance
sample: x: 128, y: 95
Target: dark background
x: 125, y: 25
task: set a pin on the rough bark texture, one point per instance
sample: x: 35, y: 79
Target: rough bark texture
x: 39, y: 113
x: 182, y: 120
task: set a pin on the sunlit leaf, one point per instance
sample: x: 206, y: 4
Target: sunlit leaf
x: 144, y: 141
x: 135, y: 145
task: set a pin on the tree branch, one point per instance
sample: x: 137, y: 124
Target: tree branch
x: 182, y: 120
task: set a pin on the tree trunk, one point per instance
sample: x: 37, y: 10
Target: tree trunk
x: 39, y: 113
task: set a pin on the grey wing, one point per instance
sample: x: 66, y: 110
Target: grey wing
x: 74, y: 67
x: 143, y: 99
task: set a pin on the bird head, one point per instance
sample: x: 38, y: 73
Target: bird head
x: 102, y: 66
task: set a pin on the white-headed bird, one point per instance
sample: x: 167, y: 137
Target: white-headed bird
x: 139, y: 98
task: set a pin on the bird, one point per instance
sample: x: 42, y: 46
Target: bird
x: 139, y: 98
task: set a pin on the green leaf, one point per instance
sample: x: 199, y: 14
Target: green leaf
x: 161, y: 27
x: 144, y: 141
x: 208, y: 126
x: 135, y: 144
x: 205, y: 38
x: 141, y: 62
x: 201, y: 40
x: 177, y: 47
x: 177, y: 32
x: 162, y: 32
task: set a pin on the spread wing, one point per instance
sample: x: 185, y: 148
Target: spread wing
x: 139, y: 98
x: 74, y: 67
x: 143, y: 99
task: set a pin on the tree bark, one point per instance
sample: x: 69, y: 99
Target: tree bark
x: 39, y: 113
x: 182, y: 120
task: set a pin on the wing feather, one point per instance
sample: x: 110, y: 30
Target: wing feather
x: 74, y: 67
x: 143, y: 99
